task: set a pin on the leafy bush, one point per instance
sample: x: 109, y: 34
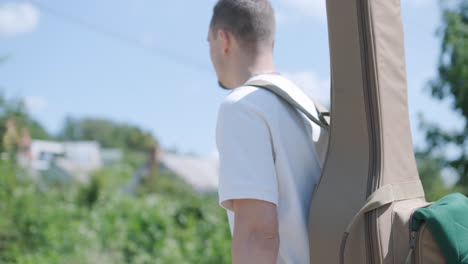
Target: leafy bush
x: 99, y: 223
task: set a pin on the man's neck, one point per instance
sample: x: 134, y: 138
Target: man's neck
x: 254, y: 66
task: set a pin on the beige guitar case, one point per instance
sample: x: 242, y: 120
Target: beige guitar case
x: 370, y: 184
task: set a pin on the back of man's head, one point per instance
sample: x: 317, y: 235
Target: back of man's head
x: 251, y: 22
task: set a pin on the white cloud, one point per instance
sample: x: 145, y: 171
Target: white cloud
x: 311, y: 8
x: 18, y: 18
x: 312, y: 84
x: 35, y: 103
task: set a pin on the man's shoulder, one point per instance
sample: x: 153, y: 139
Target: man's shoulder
x: 250, y: 97
x: 258, y: 100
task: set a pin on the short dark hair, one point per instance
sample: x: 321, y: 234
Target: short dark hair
x: 250, y: 21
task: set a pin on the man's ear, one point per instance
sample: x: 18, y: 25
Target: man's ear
x: 226, y: 40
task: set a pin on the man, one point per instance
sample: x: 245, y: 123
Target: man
x: 268, y: 162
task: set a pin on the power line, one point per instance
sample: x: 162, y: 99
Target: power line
x: 114, y: 35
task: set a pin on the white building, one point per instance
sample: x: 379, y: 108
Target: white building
x: 201, y: 173
x: 77, y: 159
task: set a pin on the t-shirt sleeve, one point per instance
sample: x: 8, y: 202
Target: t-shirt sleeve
x: 247, y: 169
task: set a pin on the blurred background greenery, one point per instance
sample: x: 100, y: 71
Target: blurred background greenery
x: 56, y: 220
x: 446, y: 151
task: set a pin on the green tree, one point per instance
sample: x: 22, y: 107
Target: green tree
x: 15, y: 110
x: 430, y: 172
x: 108, y: 133
x: 452, y: 83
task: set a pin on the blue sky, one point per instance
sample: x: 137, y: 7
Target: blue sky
x: 146, y: 62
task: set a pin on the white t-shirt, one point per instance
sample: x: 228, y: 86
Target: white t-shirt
x: 267, y: 153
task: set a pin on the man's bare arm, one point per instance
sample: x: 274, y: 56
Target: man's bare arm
x: 256, y: 238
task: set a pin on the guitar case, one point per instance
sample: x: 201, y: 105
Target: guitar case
x: 361, y: 208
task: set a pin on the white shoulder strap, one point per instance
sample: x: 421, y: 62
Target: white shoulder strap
x: 295, y: 100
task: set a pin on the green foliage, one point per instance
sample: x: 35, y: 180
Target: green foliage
x: 108, y: 133
x: 89, y: 194
x: 15, y: 110
x: 36, y: 226
x: 429, y: 170
x: 161, y: 230
x: 452, y: 83
x: 168, y: 184
x: 99, y: 223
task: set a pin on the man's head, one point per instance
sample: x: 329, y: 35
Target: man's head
x: 240, y: 31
